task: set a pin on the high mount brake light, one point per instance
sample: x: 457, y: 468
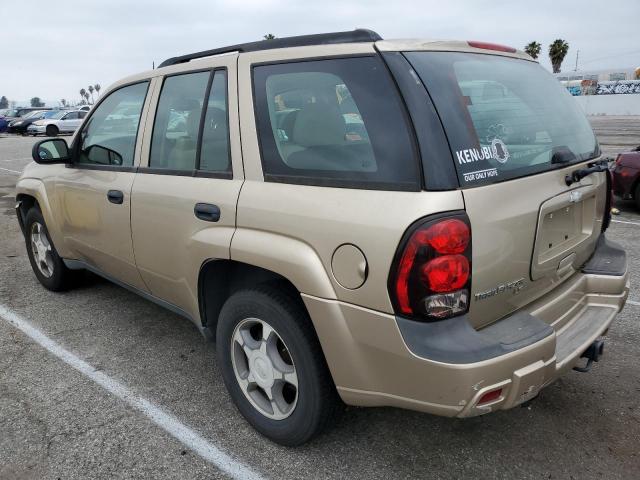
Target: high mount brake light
x: 491, y: 46
x: 431, y: 275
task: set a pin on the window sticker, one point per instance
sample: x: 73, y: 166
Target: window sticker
x: 497, y: 151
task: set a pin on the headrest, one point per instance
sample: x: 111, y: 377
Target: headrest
x: 319, y: 124
x: 193, y: 123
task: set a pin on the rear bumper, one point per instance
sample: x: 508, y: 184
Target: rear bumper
x: 445, y: 368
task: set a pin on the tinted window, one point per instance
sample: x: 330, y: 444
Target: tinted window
x: 337, y: 122
x: 175, y: 131
x: 504, y: 117
x: 71, y: 116
x: 214, y: 155
x: 109, y: 137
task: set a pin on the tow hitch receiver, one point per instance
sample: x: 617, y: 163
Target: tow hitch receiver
x: 592, y: 354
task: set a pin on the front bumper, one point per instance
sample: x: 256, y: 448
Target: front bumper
x: 440, y: 368
x: 33, y: 129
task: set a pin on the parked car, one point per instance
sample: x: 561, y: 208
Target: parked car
x: 414, y: 224
x: 14, y: 113
x: 20, y: 125
x: 626, y: 176
x: 3, y: 122
x: 62, y: 122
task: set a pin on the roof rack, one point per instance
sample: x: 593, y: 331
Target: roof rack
x: 356, y: 36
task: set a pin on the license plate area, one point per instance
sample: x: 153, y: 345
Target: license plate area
x: 565, y: 226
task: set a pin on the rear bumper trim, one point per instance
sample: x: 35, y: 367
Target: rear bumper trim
x: 455, y: 341
x: 609, y: 258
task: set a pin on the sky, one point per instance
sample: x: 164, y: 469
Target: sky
x: 53, y: 49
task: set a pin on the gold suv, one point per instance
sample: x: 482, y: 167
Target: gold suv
x: 403, y: 223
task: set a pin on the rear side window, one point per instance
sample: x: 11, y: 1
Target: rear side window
x: 175, y: 131
x: 337, y: 122
x: 504, y: 117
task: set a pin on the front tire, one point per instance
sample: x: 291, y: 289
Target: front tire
x: 47, y: 265
x: 52, y: 131
x: 273, y: 366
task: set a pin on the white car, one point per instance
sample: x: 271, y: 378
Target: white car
x: 63, y: 122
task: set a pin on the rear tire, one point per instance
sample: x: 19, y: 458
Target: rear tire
x: 47, y: 265
x: 52, y: 131
x: 253, y: 366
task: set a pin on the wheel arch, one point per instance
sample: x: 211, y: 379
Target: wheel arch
x: 218, y: 279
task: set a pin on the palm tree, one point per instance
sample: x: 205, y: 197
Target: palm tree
x: 557, y: 51
x: 83, y: 92
x: 91, y: 92
x: 63, y: 102
x: 97, y: 88
x: 269, y: 36
x: 533, y: 49
x: 86, y: 96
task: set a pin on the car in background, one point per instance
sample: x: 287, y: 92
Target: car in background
x: 62, y: 122
x: 13, y: 113
x: 84, y: 108
x: 626, y: 176
x: 3, y: 120
x: 20, y: 125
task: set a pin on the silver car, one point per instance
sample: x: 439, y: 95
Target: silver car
x: 63, y: 122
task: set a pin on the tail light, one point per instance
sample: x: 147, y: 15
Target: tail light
x: 430, y: 277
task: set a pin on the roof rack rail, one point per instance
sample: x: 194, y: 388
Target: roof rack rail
x: 356, y: 36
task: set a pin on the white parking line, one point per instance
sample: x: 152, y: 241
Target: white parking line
x: 170, y: 424
x: 9, y: 170
x: 631, y: 302
x: 628, y: 223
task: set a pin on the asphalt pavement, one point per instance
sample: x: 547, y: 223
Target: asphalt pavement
x: 109, y: 385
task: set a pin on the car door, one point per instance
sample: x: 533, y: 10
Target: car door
x: 184, y: 199
x: 94, y: 192
x: 71, y: 121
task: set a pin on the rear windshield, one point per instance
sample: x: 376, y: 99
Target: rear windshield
x: 504, y: 117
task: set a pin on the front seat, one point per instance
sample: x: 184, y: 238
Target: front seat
x: 183, y: 154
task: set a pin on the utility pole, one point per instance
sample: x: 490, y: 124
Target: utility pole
x: 577, y: 55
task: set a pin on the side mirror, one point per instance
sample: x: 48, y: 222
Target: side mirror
x: 51, y: 151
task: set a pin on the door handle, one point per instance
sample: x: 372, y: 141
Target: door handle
x: 115, y: 196
x: 207, y: 212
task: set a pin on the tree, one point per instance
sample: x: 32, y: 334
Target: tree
x: 36, y: 102
x: 557, y: 51
x: 91, y: 92
x: 63, y: 102
x: 533, y: 49
x: 4, y: 103
x: 269, y: 36
x: 86, y: 96
x: 83, y: 92
x: 97, y: 87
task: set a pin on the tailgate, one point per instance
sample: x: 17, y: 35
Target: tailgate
x: 529, y: 234
x: 514, y: 134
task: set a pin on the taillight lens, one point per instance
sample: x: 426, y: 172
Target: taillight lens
x: 446, y: 273
x: 431, y: 275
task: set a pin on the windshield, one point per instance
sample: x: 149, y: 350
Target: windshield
x: 53, y: 114
x: 11, y: 113
x: 31, y: 114
x: 56, y: 114
x: 504, y: 117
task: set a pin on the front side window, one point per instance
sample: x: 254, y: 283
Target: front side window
x: 337, y: 122
x: 109, y: 137
x: 174, y: 143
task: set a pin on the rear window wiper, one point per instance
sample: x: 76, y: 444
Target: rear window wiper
x: 577, y: 175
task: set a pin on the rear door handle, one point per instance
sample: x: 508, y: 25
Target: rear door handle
x: 207, y: 212
x: 115, y: 196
